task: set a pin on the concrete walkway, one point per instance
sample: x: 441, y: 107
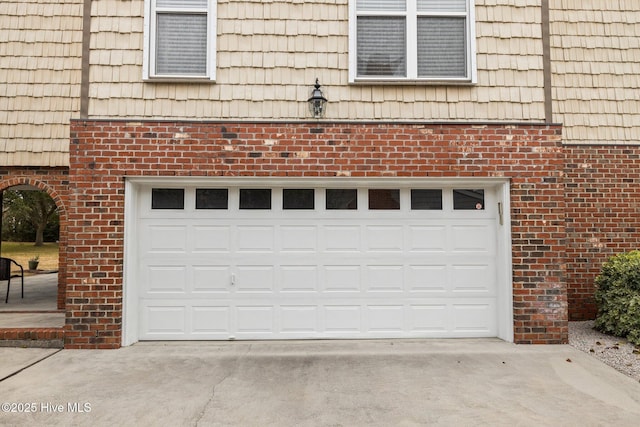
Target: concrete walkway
x: 318, y: 383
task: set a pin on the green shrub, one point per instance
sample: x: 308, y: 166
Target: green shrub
x: 618, y: 297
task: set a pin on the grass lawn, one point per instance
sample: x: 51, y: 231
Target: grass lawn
x: 22, y: 252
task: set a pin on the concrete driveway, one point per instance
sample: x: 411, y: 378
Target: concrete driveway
x: 316, y: 383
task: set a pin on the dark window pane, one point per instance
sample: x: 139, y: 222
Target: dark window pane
x: 255, y: 198
x: 426, y: 199
x: 167, y: 198
x: 212, y: 198
x: 298, y: 199
x: 468, y: 199
x: 384, y: 199
x: 342, y: 199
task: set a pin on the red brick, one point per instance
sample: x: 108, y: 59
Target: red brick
x: 602, y: 217
x: 523, y: 153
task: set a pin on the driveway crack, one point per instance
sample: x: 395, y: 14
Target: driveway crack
x: 232, y: 371
x: 29, y: 365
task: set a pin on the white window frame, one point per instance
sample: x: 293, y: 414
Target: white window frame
x: 149, y: 66
x: 411, y: 15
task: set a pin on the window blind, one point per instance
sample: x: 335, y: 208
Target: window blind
x: 181, y: 44
x: 381, y: 46
x: 182, y: 4
x: 372, y: 5
x: 442, y: 5
x: 441, y: 47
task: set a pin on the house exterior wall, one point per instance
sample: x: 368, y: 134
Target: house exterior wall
x: 595, y: 49
x: 268, y: 56
x: 270, y: 53
x: 40, y: 56
x: 530, y: 155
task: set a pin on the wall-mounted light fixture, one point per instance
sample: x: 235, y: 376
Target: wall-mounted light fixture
x: 317, y: 102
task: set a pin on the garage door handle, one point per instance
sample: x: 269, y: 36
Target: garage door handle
x: 233, y: 279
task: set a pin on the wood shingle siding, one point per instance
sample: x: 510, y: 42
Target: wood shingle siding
x: 270, y: 53
x: 40, y: 80
x: 595, y: 48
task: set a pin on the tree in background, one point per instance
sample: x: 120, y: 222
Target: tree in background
x: 25, y: 212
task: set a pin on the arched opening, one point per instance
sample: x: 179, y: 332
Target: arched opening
x: 40, y: 302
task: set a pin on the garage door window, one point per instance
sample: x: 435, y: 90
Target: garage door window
x: 383, y: 199
x: 426, y: 199
x: 420, y: 199
x: 259, y: 198
x: 342, y: 199
x: 468, y: 199
x: 167, y: 198
x: 297, y: 198
x: 212, y: 198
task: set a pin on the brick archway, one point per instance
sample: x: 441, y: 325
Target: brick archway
x: 55, y: 183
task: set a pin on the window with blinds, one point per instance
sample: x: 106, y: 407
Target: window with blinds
x: 180, y: 39
x: 426, y: 40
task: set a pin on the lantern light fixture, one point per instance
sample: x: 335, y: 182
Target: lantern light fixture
x: 317, y: 102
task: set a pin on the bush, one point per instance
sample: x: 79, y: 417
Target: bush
x: 618, y: 297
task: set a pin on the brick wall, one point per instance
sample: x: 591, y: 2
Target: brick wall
x: 103, y: 152
x: 55, y: 182
x: 603, y: 215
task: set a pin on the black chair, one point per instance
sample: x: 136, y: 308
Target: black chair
x: 5, y: 274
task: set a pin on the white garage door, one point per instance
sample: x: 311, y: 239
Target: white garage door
x: 250, y: 262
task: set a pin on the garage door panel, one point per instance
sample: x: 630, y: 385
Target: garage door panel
x: 474, y: 318
x: 254, y: 320
x: 475, y: 238
x: 299, y: 278
x: 384, y: 278
x: 342, y: 319
x: 428, y: 318
x: 299, y: 238
x: 164, y: 320
x: 211, y: 279
x: 427, y: 238
x: 296, y: 319
x: 471, y: 278
x: 211, y: 239
x: 341, y: 238
x: 255, y: 238
x: 427, y: 278
x: 164, y: 279
x: 341, y: 278
x: 385, y: 318
x: 254, y: 278
x: 384, y: 238
x: 211, y: 321
x: 167, y: 239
